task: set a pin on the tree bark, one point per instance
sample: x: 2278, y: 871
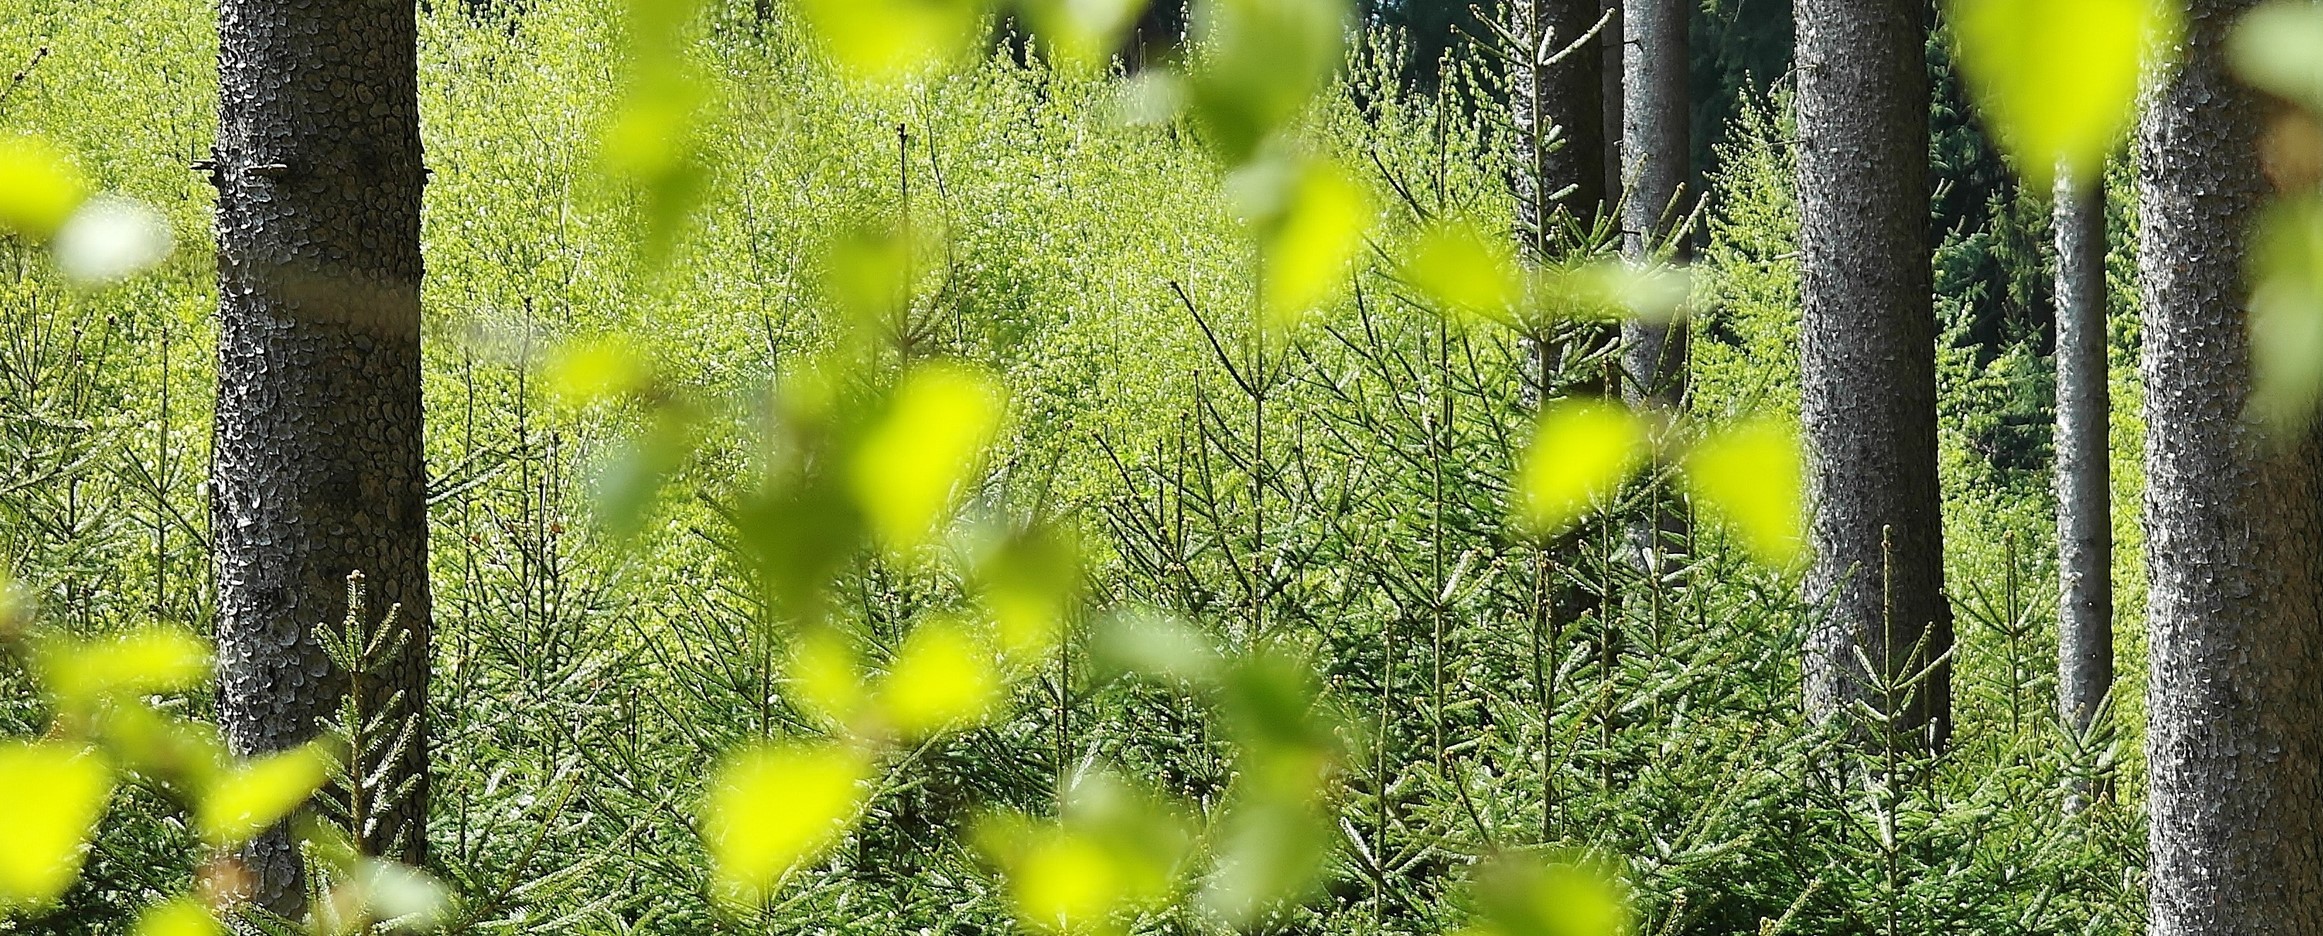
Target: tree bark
x: 318, y: 467
x: 2234, y: 535
x: 1656, y: 153
x: 1868, y: 385
x: 1611, y: 103
x: 2084, y: 477
x: 1559, y: 112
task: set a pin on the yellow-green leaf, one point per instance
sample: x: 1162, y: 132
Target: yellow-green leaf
x: 888, y: 40
x: 246, y: 799
x: 54, y: 794
x: 2286, y: 316
x: 149, y: 660
x: 776, y: 807
x: 1465, y: 271
x: 1061, y: 882
x: 1580, y: 454
x: 182, y: 916
x: 2058, y: 79
x: 398, y: 894
x: 942, y: 677
x: 655, y: 139
x: 1083, y: 33
x: 1257, y: 64
x: 911, y: 466
x: 39, y: 189
x: 1755, y: 476
x: 597, y: 370
x: 165, y: 746
x: 1305, y: 250
x: 1527, y: 895
x: 1028, y: 583
x: 826, y: 675
x: 1117, y: 847
x: 2275, y: 48
x: 1610, y: 290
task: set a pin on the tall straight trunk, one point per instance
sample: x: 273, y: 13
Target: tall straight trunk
x: 2234, y: 536
x: 1556, y: 86
x: 1868, y: 368
x: 318, y: 471
x: 1656, y: 155
x: 1611, y: 107
x: 2084, y: 477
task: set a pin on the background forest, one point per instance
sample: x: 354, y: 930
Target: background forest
x: 1289, y: 639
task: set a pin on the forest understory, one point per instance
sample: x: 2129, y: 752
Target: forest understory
x: 939, y: 466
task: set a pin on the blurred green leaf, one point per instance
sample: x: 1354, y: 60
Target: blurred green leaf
x: 39, y: 188
x: 1271, y: 853
x: 912, y: 465
x: 182, y: 916
x: 826, y: 676
x: 2058, y: 79
x: 146, y: 661
x: 403, y: 898
x: 1755, y: 476
x: 627, y: 478
x: 1609, y: 290
x: 798, y: 534
x: 1117, y: 848
x: 1257, y: 64
x: 1530, y: 895
x: 1152, y: 642
x: 775, y: 807
x: 1307, y: 245
x: 596, y: 371
x: 109, y: 239
x: 55, y: 794
x: 1466, y: 271
x: 870, y: 272
x: 188, y: 753
x: 891, y: 40
x: 1277, y: 834
x: 2286, y: 316
x: 248, y: 798
x: 1028, y: 582
x: 1082, y: 34
x: 943, y: 677
x: 655, y: 139
x: 1581, y: 452
x: 2274, y: 48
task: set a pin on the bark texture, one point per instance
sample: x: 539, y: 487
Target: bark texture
x: 1557, y: 96
x: 2234, y: 532
x: 1656, y: 150
x: 1868, y: 383
x: 318, y: 466
x: 2084, y: 475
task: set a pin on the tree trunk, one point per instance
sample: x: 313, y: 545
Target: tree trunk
x: 1867, y: 373
x: 2234, y: 535
x: 1560, y: 179
x: 1611, y: 109
x: 318, y: 466
x: 1656, y: 152
x: 2084, y: 478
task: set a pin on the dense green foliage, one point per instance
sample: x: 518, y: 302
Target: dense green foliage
x: 1343, y: 493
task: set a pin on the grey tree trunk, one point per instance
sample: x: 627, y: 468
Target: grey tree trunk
x: 318, y: 467
x: 1656, y: 150
x: 2084, y: 461
x: 1867, y: 372
x: 1560, y: 179
x: 1610, y: 97
x: 2234, y: 535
